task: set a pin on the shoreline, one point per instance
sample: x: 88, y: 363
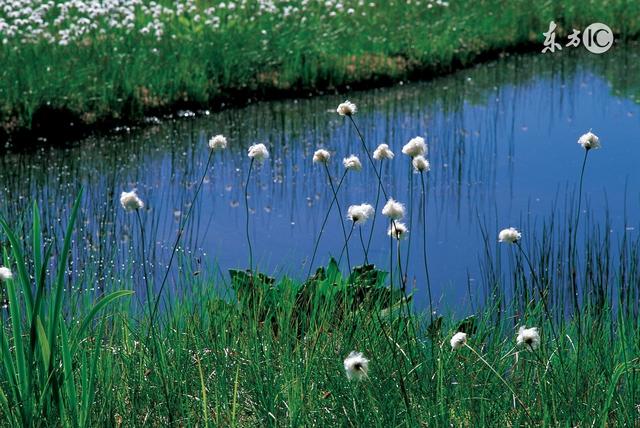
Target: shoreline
x: 48, y: 122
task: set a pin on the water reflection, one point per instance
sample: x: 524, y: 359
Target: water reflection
x: 501, y: 144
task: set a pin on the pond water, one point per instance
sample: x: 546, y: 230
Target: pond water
x: 502, y: 146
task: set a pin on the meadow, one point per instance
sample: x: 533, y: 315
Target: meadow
x: 69, y: 65
x: 554, y: 344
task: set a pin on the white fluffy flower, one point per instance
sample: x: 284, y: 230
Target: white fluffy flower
x: 5, y: 273
x: 529, y: 338
x: 393, y: 209
x: 359, y: 214
x: 352, y: 162
x: 415, y: 147
x: 130, y: 201
x: 258, y: 152
x: 589, y: 141
x: 397, y: 230
x: 356, y: 366
x: 383, y: 152
x: 510, y: 235
x: 321, y: 156
x: 219, y: 142
x: 458, y: 340
x: 347, y: 108
x: 420, y: 164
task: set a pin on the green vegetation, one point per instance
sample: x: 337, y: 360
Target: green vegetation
x: 267, y: 352
x: 122, y: 61
x: 264, y: 351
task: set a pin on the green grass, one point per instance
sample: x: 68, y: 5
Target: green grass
x: 123, y: 74
x: 262, y: 351
x: 268, y: 352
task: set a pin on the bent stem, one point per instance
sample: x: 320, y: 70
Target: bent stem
x: 246, y: 206
x: 177, y: 241
x: 326, y: 218
x: 526, y: 411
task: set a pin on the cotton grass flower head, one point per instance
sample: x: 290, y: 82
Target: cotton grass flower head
x: 321, y: 156
x: 5, y: 273
x: 420, y: 164
x: 359, y: 214
x: 397, y: 230
x: 130, y: 201
x: 383, y: 152
x: 528, y: 338
x: 589, y: 141
x: 258, y: 152
x: 352, y: 162
x: 347, y: 108
x: 458, y: 340
x: 393, y: 209
x: 219, y: 142
x: 415, y: 147
x: 356, y: 366
x: 510, y: 235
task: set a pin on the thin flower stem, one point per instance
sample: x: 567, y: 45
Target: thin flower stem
x: 366, y: 150
x: 424, y: 244
x: 390, y: 265
x: 144, y: 264
x: 504, y: 382
x: 395, y: 337
x: 404, y: 304
x: 403, y: 280
x: 373, y: 221
x: 403, y: 284
x: 246, y: 205
x: 177, y: 241
x: 346, y: 246
x: 423, y: 208
x: 574, y: 250
x: 584, y: 164
x: 574, y: 262
x: 335, y: 198
x: 394, y: 352
x: 406, y: 263
x: 152, y: 330
x: 326, y: 218
x: 364, y: 249
x: 538, y: 286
